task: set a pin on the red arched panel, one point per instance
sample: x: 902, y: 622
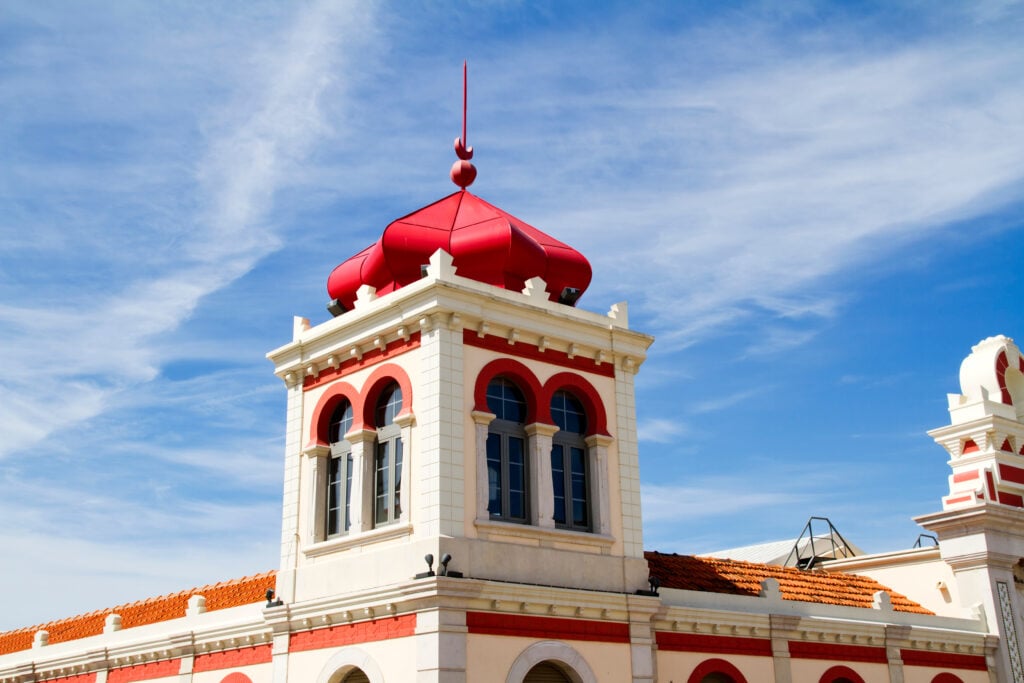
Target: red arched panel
x: 840, y: 673
x: 236, y: 677
x: 584, y: 391
x: 947, y: 678
x: 522, y: 377
x: 321, y: 418
x: 376, y: 383
x: 716, y: 666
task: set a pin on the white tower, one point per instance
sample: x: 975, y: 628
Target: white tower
x: 981, y: 526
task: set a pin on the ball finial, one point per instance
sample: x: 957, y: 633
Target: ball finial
x: 463, y: 173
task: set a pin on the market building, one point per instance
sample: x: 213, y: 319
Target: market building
x: 462, y: 503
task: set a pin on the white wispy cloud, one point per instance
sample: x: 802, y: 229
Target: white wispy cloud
x: 68, y: 358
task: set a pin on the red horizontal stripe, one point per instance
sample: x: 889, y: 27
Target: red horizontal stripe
x: 350, y: 634
x: 943, y: 660
x: 1011, y: 473
x: 493, y: 342
x: 722, y: 645
x: 144, y: 672
x: 546, y: 627
x: 965, y: 476
x: 373, y: 357
x: 80, y: 678
x: 799, y: 649
x: 228, y: 659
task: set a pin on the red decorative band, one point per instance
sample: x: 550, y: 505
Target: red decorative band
x: 350, y: 365
x: 144, y: 672
x: 966, y: 476
x: 80, y: 678
x: 493, y: 342
x: 546, y: 627
x: 720, y: 645
x: 943, y: 660
x: 1011, y: 473
x: 799, y: 649
x: 228, y: 659
x: 350, y: 634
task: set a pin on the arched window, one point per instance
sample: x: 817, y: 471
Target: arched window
x: 841, y: 674
x: 716, y: 671
x: 507, y: 477
x: 339, y: 472
x: 387, y: 479
x: 546, y: 672
x: 569, y: 475
x: 947, y: 678
x: 355, y: 676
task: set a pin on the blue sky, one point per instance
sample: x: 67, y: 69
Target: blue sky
x: 816, y: 210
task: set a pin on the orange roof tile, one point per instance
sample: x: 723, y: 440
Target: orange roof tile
x: 714, y: 575
x: 221, y: 595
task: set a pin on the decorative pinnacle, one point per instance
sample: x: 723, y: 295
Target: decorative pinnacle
x: 463, y: 173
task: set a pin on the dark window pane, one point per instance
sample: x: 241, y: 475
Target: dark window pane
x: 558, y: 482
x: 494, y: 474
x: 381, y: 487
x: 516, y: 479
x: 333, y: 496
x: 568, y: 413
x: 506, y: 401
x: 341, y: 422
x: 389, y: 405
x: 398, y: 479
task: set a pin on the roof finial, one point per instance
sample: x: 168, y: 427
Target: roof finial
x: 463, y: 173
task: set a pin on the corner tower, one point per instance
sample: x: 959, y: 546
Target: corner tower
x: 459, y: 404
x: 981, y: 525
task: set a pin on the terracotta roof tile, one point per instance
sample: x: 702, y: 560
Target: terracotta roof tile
x: 221, y: 595
x: 712, y: 575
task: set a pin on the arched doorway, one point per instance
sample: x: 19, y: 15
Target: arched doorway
x: 546, y: 672
x: 355, y: 676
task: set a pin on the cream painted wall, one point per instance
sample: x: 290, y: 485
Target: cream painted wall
x: 395, y: 658
x: 489, y: 658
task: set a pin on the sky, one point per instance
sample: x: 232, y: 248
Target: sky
x: 815, y: 208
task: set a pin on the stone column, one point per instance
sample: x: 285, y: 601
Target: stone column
x: 542, y: 493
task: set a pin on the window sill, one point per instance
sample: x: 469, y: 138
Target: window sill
x: 351, y: 539
x: 495, y: 530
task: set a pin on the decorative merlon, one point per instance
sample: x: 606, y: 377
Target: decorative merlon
x: 299, y: 325
x: 365, y: 295
x: 41, y: 639
x: 112, y: 623
x: 620, y: 314
x: 536, y: 289
x: 881, y: 600
x: 196, y: 605
x: 441, y: 266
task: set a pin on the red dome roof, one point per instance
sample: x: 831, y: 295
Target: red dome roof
x: 487, y: 245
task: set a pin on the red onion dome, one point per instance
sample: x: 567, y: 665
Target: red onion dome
x: 486, y: 244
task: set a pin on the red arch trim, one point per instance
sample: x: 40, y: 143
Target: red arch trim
x: 1002, y: 364
x: 320, y: 422
x: 840, y: 672
x: 597, y: 420
x: 236, y: 677
x: 375, y: 384
x: 522, y: 377
x: 716, y: 666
